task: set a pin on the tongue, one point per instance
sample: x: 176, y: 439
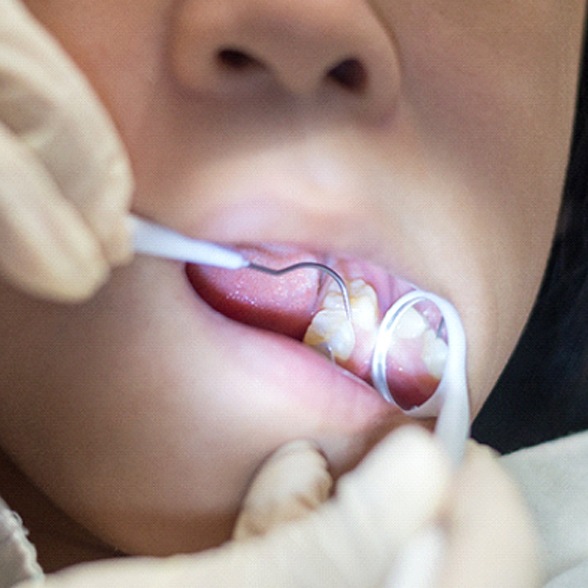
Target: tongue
x: 283, y: 304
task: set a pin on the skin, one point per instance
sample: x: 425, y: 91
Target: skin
x: 444, y: 167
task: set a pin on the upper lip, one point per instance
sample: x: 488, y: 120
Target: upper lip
x: 349, y: 230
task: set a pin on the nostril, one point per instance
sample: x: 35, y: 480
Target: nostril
x: 236, y: 60
x: 349, y: 74
x: 294, y: 54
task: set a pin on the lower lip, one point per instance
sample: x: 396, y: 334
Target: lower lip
x: 292, y: 370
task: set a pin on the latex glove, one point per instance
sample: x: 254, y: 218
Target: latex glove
x: 65, y: 182
x: 488, y: 537
x: 492, y: 540
x: 350, y: 540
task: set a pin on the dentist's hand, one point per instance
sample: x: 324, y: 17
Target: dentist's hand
x: 492, y: 540
x: 65, y: 182
x: 291, y: 535
x: 488, y: 537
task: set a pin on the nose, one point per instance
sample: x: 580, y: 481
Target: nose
x: 306, y: 48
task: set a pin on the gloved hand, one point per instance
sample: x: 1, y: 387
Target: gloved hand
x: 287, y: 537
x: 488, y: 538
x: 65, y: 182
x: 492, y: 539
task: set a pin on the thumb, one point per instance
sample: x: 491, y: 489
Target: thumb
x: 293, y: 482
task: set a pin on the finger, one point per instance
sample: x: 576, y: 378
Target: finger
x: 46, y: 249
x: 47, y: 102
x: 491, y: 538
x: 293, y: 482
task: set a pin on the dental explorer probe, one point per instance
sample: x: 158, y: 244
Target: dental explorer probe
x: 154, y: 239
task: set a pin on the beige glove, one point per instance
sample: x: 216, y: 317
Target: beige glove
x: 488, y: 538
x: 65, y: 182
x: 352, y: 539
x: 492, y: 540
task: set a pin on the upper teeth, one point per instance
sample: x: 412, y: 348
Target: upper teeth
x: 331, y: 328
x: 364, y: 305
x: 331, y: 332
x: 434, y: 354
x: 411, y: 324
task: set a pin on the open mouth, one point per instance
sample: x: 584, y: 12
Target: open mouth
x: 307, y: 306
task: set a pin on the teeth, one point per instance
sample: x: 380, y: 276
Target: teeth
x: 331, y: 329
x: 333, y: 334
x: 434, y: 354
x: 364, y: 306
x: 411, y: 324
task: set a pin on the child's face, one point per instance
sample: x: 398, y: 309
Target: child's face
x: 439, y: 155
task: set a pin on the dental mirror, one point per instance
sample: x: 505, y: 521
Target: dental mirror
x: 421, y: 347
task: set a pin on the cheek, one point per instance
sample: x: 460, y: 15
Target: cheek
x: 511, y: 265
x: 127, y: 436
x: 484, y: 251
